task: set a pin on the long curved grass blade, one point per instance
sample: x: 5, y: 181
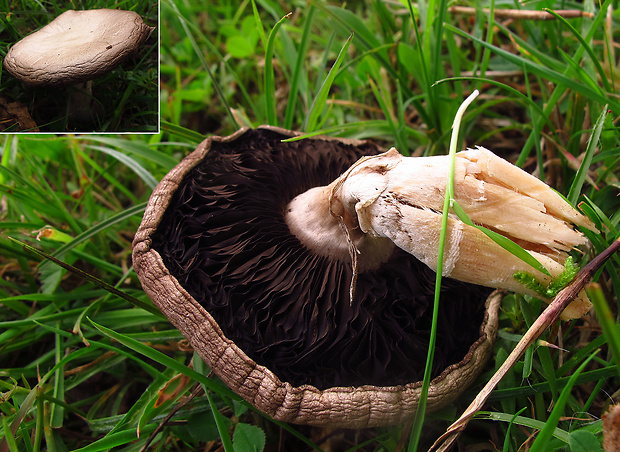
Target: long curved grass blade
x: 259, y: 23
x: 581, y: 73
x: 593, y: 58
x: 222, y: 428
x: 181, y: 132
x: 269, y: 78
x: 294, y: 83
x: 319, y: 101
x: 86, y: 235
x: 606, y: 319
x: 90, y: 278
x: 74, y: 355
x: 209, y: 384
x: 117, y: 439
x: 140, y: 148
x: 418, y: 422
x: 511, y: 423
x: 130, y: 163
x: 361, y: 129
x: 166, y: 360
x: 558, y: 409
x: 502, y: 241
x: 560, y: 434
x: 575, y: 188
x: 384, y: 101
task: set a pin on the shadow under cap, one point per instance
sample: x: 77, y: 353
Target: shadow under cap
x: 273, y: 318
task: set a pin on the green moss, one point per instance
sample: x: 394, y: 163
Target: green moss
x: 555, y: 286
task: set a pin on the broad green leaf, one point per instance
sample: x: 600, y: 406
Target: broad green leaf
x: 239, y: 47
x: 248, y: 438
x: 201, y: 426
x: 584, y: 441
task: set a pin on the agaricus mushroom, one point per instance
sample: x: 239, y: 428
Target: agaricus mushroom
x: 250, y: 248
x: 75, y: 48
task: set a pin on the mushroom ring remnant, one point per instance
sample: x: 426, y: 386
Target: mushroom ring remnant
x: 77, y: 46
x: 273, y: 317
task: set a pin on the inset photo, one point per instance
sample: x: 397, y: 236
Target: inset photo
x: 87, y: 66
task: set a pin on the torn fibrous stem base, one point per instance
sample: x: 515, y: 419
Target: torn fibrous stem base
x: 390, y: 200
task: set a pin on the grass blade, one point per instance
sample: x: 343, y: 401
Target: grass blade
x: 550, y: 426
x: 96, y: 229
x: 96, y: 281
x: 139, y: 148
x: 575, y: 188
x: 186, y: 135
x: 502, y: 241
x: 606, y: 319
x: 269, y: 83
x: 416, y: 429
x: 259, y: 23
x: 319, y: 101
x: 130, y: 163
x: 560, y: 434
x: 302, y: 53
x: 593, y: 58
x: 171, y: 363
x: 166, y: 361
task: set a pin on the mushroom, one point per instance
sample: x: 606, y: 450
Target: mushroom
x: 75, y: 48
x: 225, y: 251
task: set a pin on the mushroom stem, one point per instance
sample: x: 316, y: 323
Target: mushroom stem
x: 82, y: 106
x: 400, y: 199
x: 310, y: 219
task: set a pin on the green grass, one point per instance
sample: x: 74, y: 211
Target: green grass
x: 85, y: 369
x: 125, y: 99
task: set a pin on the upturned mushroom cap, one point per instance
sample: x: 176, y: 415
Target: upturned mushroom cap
x: 76, y: 46
x: 273, y: 317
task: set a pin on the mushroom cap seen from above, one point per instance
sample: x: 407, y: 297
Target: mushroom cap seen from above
x: 272, y: 317
x: 77, y: 46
